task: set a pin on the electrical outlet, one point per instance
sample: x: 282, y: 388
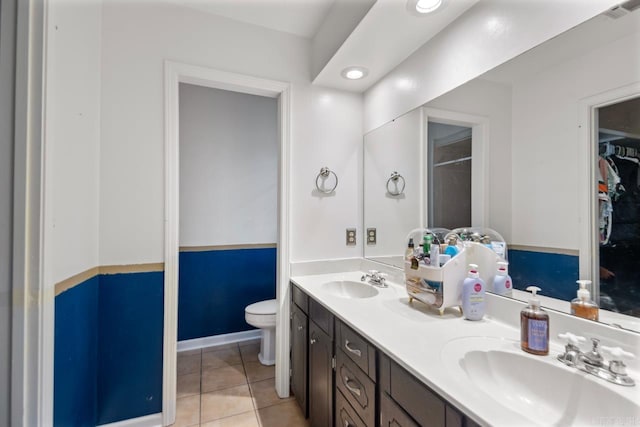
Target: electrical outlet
x: 351, y: 236
x: 371, y: 236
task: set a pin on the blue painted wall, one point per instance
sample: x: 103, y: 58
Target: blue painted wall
x: 555, y: 274
x: 75, y: 358
x: 108, y: 349
x: 130, y: 346
x: 216, y: 286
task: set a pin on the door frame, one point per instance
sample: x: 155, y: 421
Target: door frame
x: 479, y: 166
x: 176, y: 73
x: 589, y: 250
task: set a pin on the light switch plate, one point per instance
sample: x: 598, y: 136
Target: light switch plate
x: 372, y: 237
x: 351, y: 236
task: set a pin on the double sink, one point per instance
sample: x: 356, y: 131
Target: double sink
x: 520, y: 389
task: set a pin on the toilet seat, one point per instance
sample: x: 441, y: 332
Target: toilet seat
x: 261, y: 314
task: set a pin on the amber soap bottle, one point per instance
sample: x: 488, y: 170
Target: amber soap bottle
x: 534, y: 326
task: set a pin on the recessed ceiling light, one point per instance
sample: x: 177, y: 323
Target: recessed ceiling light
x: 424, y: 6
x: 354, y: 73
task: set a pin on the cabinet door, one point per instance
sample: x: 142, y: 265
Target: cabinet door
x: 299, y: 340
x: 391, y: 415
x: 320, y: 377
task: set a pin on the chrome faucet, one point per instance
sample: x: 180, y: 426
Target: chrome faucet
x: 376, y: 278
x: 593, y: 362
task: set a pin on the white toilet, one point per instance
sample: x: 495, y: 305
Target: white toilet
x: 262, y: 315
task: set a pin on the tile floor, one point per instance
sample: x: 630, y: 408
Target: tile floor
x: 227, y: 386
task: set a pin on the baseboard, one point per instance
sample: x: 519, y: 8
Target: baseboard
x: 215, y: 340
x: 153, y: 420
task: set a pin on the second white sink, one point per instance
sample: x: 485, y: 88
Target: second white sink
x: 350, y: 289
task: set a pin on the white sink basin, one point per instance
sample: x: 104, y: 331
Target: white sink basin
x: 350, y: 289
x: 540, y: 390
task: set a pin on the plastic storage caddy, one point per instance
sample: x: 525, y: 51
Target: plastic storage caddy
x: 441, y: 286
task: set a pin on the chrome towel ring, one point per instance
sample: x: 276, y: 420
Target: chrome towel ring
x: 324, y: 174
x: 395, y: 177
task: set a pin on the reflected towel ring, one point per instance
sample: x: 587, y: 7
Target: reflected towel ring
x: 395, y: 176
x: 324, y: 173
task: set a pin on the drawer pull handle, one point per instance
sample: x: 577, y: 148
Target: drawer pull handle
x: 352, y: 389
x: 352, y: 350
x: 345, y: 418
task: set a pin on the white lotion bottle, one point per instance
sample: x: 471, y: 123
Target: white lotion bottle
x: 502, y: 284
x: 473, y: 289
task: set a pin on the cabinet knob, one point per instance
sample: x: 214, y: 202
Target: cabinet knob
x: 300, y: 327
x: 312, y: 341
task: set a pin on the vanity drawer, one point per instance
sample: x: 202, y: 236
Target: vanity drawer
x: 422, y: 404
x: 345, y: 415
x: 322, y: 317
x: 392, y: 415
x: 300, y: 298
x: 357, y: 388
x: 357, y: 349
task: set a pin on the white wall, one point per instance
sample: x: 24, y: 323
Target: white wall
x: 72, y: 139
x: 493, y: 101
x: 487, y: 35
x: 392, y: 147
x: 228, y: 167
x: 546, y: 176
x: 326, y: 126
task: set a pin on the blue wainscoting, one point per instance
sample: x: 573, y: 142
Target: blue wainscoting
x: 215, y: 287
x: 131, y: 321
x: 555, y: 274
x: 75, y: 355
x: 108, y: 349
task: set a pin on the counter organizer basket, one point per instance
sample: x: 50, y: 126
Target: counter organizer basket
x: 441, y: 286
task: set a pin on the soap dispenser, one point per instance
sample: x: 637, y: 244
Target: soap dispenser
x: 502, y: 284
x: 534, y: 326
x: 473, y: 289
x: 583, y: 305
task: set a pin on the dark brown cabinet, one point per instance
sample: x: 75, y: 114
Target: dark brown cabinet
x: 320, y: 377
x: 299, y: 367
x: 350, y: 383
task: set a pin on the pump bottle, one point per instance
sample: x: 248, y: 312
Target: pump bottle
x: 473, y: 289
x: 502, y: 284
x: 583, y: 305
x: 534, y: 326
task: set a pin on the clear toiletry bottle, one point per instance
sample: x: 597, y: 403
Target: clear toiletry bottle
x: 583, y: 306
x: 473, y: 289
x: 534, y: 326
x: 451, y: 249
x: 426, y: 247
x: 502, y: 284
x: 410, y: 250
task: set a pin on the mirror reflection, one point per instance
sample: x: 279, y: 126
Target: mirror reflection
x: 520, y: 150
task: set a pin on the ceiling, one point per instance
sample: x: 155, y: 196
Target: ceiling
x: 299, y: 17
x: 377, y: 36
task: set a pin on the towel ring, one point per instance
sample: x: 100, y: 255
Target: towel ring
x: 324, y: 173
x: 395, y: 176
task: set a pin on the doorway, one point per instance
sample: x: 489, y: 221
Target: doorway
x: 175, y: 74
x: 618, y: 172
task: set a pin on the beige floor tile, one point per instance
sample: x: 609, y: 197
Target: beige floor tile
x: 221, y: 358
x: 187, y: 411
x: 188, y: 364
x: 264, y: 394
x: 220, y: 347
x: 189, y: 352
x: 250, y: 352
x: 248, y: 419
x: 219, y: 378
x: 256, y: 371
x: 188, y: 385
x: 249, y: 342
x: 225, y: 403
x: 286, y: 414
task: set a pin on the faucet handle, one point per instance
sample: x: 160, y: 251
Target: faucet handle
x: 617, y: 353
x: 571, y: 338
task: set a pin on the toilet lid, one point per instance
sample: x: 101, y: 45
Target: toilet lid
x: 262, y: 307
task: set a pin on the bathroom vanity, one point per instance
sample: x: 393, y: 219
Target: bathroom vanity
x: 363, y: 355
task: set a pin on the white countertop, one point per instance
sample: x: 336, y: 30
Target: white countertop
x: 414, y: 336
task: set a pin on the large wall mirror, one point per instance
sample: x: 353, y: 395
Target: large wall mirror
x: 521, y: 149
